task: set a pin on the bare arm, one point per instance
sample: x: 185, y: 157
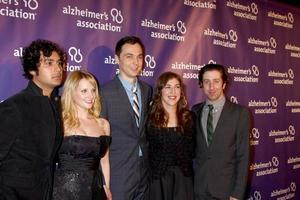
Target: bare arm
x: 105, y: 165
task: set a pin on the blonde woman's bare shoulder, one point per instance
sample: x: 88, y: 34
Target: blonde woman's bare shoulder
x: 105, y: 124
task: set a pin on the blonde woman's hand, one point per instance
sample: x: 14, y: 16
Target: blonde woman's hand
x: 108, y: 193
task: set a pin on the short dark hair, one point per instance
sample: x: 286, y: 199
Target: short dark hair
x: 211, y: 67
x: 31, y: 55
x: 128, y: 40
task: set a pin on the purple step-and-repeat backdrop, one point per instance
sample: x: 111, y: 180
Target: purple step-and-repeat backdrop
x: 258, y: 41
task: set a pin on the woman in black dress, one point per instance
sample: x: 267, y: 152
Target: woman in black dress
x: 85, y: 144
x: 170, y: 136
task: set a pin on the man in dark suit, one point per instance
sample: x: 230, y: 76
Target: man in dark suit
x: 126, y: 108
x: 222, y: 140
x: 29, y: 126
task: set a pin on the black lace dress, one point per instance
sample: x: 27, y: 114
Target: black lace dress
x: 171, y: 165
x: 78, y: 173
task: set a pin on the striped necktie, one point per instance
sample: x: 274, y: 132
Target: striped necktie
x: 135, y: 105
x: 209, y: 125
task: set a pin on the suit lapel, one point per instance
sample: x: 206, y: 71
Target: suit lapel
x: 144, y: 103
x: 50, y: 124
x: 123, y: 95
x: 199, y: 126
x: 145, y: 97
x: 220, y: 123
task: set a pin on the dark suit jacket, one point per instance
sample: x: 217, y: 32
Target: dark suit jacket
x: 221, y: 169
x: 29, y: 139
x: 128, y: 173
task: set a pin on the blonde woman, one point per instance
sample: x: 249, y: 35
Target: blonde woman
x: 85, y: 144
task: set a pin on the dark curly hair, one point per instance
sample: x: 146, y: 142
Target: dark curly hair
x: 31, y: 55
x: 158, y: 117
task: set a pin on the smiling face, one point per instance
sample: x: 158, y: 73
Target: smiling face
x: 49, y: 74
x: 130, y: 61
x: 84, y: 95
x: 213, y: 85
x: 170, y: 94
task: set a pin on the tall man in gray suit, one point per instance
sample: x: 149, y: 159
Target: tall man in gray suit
x: 222, y: 140
x: 125, y: 106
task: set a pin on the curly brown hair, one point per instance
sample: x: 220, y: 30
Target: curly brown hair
x: 158, y: 116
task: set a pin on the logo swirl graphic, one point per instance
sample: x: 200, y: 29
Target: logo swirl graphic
x: 291, y: 73
x: 275, y: 161
x: 292, y: 130
x: 273, y: 42
x: 212, y: 62
x: 255, y: 133
x: 290, y: 17
x: 293, y: 186
x: 255, y: 70
x: 116, y: 15
x: 234, y: 99
x: 75, y: 54
x: 254, y: 8
x: 232, y: 35
x: 32, y: 4
x: 257, y: 195
x: 181, y: 27
x: 150, y: 62
x: 274, y: 102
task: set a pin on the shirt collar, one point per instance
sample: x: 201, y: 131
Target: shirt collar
x: 217, y: 104
x: 39, y: 92
x: 127, y: 85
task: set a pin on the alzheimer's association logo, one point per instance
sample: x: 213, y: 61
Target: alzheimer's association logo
x: 150, y: 62
x: 31, y: 4
x: 234, y: 99
x: 75, y: 54
x: 255, y: 70
x: 254, y: 137
x: 181, y: 27
x: 233, y: 35
x: 255, y: 196
x: 254, y: 8
x: 116, y: 15
x: 275, y: 161
x: 76, y: 58
x: 274, y: 102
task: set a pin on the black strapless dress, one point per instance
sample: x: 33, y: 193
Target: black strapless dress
x: 78, y: 171
x: 171, y: 163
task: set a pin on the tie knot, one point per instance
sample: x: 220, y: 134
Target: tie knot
x: 134, y: 89
x: 211, y: 107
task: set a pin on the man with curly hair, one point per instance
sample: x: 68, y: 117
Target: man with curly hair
x: 29, y: 126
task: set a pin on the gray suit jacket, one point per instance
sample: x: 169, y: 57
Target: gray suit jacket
x: 128, y: 170
x: 222, y: 168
